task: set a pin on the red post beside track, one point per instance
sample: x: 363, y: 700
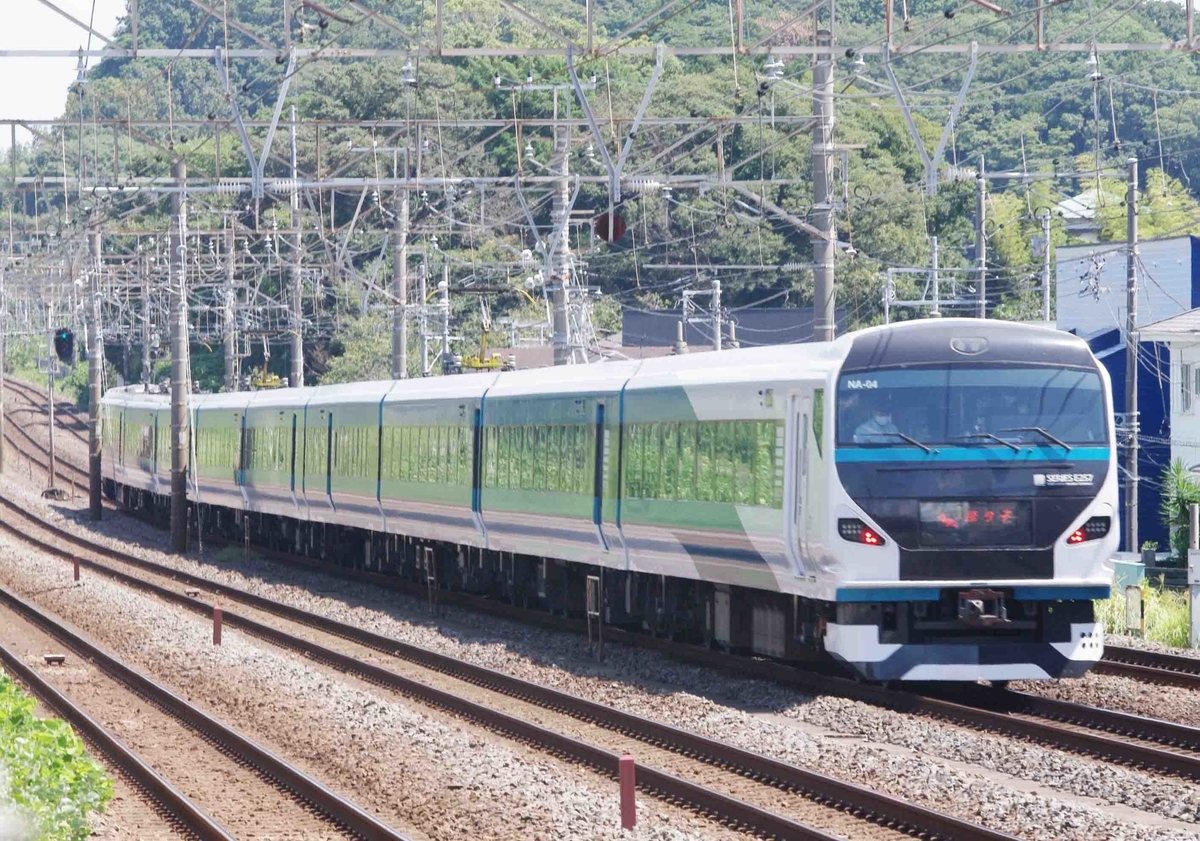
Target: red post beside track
x: 76, y: 560
x: 628, y: 789
x: 216, y: 625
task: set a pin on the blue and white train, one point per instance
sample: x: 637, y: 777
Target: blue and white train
x: 933, y: 500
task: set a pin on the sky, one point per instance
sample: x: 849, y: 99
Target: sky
x: 32, y: 88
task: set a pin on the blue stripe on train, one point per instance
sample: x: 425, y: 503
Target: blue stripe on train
x: 989, y: 453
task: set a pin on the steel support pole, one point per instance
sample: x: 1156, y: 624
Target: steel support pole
x: 445, y: 308
x: 423, y: 312
x: 179, y: 368
x: 95, y: 365
x: 716, y: 313
x: 825, y: 243
x: 1046, y: 267
x: 936, y: 312
x: 147, y: 359
x: 1131, y: 358
x: 560, y: 264
x: 51, y: 357
x: 981, y: 239
x: 230, y: 337
x: 400, y: 289
x: 296, y: 378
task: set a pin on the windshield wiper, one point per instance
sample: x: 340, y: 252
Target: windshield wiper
x: 994, y: 437
x: 908, y: 438
x: 1041, y: 432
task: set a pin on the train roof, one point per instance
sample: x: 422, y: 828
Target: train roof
x: 909, y: 342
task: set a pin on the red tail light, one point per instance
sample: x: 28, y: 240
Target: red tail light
x: 856, y: 531
x: 1093, y: 529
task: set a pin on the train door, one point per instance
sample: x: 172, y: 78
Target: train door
x: 795, y: 478
x: 601, y: 468
x: 292, y: 466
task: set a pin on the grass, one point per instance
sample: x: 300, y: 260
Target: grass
x: 1166, y: 613
x: 52, y: 782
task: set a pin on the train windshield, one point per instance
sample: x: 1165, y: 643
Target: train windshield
x: 971, y: 406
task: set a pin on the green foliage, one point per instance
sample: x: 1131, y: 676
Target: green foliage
x: 365, y: 346
x: 1179, y: 491
x: 1166, y: 614
x: 51, y: 776
x: 1023, y: 111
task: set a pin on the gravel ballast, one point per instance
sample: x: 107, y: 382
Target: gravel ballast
x: 752, y: 714
x: 429, y: 775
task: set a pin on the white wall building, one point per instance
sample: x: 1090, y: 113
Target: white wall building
x: 1090, y: 283
x: 1181, y: 334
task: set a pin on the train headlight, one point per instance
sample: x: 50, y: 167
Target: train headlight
x: 1093, y: 529
x: 856, y: 531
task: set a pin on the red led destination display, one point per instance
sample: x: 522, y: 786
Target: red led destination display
x: 945, y: 523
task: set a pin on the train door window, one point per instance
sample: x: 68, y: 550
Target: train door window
x: 1185, y: 388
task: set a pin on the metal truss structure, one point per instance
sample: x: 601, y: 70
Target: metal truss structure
x: 266, y: 255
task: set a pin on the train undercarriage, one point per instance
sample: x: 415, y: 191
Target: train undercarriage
x: 735, y: 619
x: 1036, y: 637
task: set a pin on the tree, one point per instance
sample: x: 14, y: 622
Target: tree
x: 1180, y: 490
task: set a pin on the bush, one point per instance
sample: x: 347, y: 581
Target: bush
x: 52, y: 779
x: 1166, y: 613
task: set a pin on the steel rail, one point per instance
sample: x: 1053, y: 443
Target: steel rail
x: 34, y: 394
x: 1151, y: 666
x: 857, y: 800
x: 276, y: 770
x: 183, y: 811
x: 978, y: 711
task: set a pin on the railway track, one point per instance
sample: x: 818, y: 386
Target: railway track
x: 213, y: 750
x: 1151, y: 666
x: 536, y: 714
x: 34, y: 450
x: 1109, y: 735
x: 180, y: 810
x: 36, y: 398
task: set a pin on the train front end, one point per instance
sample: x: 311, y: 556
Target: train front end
x: 974, y: 504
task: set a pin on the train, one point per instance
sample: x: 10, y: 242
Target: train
x: 933, y: 500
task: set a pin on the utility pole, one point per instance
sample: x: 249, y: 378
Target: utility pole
x: 1132, y: 424
x: 230, y: 339
x: 1046, y: 267
x: 444, y: 286
x: 147, y: 361
x: 981, y: 238
x: 179, y: 371
x: 51, y: 367
x: 423, y: 312
x: 3, y: 349
x: 560, y: 263
x: 824, y: 245
x: 936, y: 312
x: 296, y: 380
x: 95, y: 353
x: 716, y: 313
x: 400, y: 287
